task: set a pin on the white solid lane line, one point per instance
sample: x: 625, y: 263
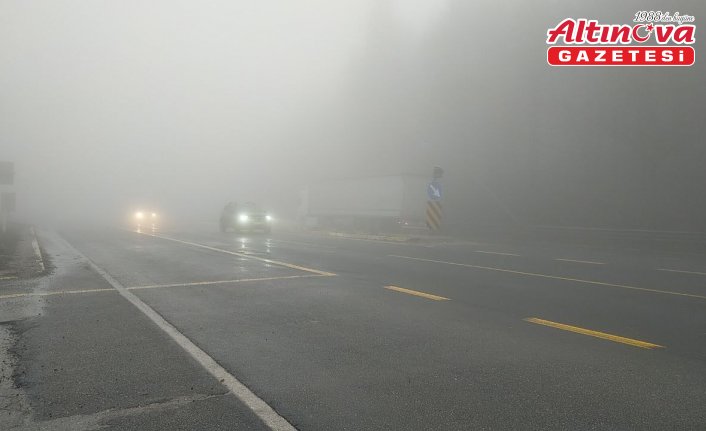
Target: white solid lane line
x: 681, y: 271
x: 159, y: 286
x: 552, y: 277
x: 243, y: 255
x: 209, y: 283
x: 590, y: 262
x: 495, y: 252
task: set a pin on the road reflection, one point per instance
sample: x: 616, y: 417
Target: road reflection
x: 151, y: 228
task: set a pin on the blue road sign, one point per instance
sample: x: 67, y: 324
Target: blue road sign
x: 434, y: 191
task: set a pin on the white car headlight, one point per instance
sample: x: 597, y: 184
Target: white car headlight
x: 139, y: 215
x: 243, y: 218
x: 268, y: 217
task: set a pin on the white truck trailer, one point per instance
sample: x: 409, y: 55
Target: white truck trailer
x: 371, y: 204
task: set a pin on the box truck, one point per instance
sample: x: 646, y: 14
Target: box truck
x: 370, y: 204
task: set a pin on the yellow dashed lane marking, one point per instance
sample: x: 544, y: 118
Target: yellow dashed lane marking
x: 597, y: 334
x: 417, y: 293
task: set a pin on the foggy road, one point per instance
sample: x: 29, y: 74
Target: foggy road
x: 352, y: 215
x: 336, y: 334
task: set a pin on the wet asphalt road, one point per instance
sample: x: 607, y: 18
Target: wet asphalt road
x: 311, y: 325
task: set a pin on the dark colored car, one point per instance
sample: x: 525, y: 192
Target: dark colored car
x: 247, y: 217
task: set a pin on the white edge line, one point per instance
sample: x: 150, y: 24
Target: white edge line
x: 681, y: 271
x: 553, y: 277
x: 37, y: 250
x: 266, y: 413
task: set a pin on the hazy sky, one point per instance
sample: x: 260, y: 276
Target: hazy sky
x: 133, y: 102
x: 184, y: 105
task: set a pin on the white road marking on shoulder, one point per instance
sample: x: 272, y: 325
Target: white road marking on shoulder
x: 590, y: 262
x: 58, y: 292
x: 37, y: 250
x: 266, y: 413
x: 15, y: 295
x: 158, y: 286
x: 681, y: 271
x: 495, y: 252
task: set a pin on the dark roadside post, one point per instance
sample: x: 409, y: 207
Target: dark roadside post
x: 434, y: 213
x: 7, y: 198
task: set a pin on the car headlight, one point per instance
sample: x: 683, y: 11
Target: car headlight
x: 243, y: 218
x: 139, y: 215
x: 154, y: 215
x: 268, y: 217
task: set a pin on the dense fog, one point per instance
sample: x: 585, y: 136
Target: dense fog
x: 183, y: 105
